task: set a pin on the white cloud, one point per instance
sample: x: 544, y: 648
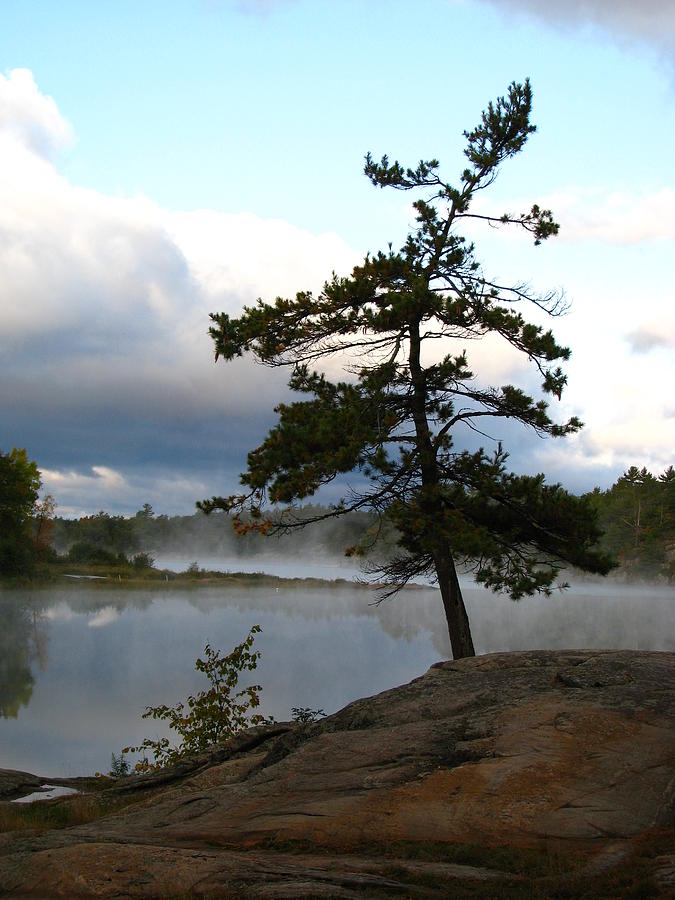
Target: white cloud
x: 70, y: 488
x: 652, y: 336
x: 109, y: 477
x: 651, y: 21
x: 602, y: 451
x: 619, y: 217
x: 73, y: 259
x: 643, y: 435
x: 30, y: 117
x: 625, y: 407
x: 236, y: 258
x: 80, y: 493
x: 108, y: 273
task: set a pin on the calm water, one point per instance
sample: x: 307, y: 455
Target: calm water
x: 79, y: 663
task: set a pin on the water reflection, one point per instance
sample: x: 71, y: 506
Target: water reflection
x: 23, y: 642
x: 79, y: 663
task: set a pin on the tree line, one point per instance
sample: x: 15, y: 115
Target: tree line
x: 103, y: 537
x: 636, y: 516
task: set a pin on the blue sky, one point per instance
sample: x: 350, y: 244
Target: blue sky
x: 159, y: 161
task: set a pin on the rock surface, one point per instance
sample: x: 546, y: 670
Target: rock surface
x: 15, y: 784
x: 535, y: 767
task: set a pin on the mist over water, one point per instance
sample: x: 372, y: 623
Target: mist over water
x: 289, y: 565
x: 78, y: 664
x: 588, y: 615
x: 601, y: 613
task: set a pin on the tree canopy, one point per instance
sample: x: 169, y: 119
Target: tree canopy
x: 637, y: 515
x: 403, y: 320
x: 19, y: 487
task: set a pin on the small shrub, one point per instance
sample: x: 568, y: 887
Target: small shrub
x: 119, y: 766
x: 303, y: 715
x: 210, y: 716
x: 84, y: 552
x: 142, y: 561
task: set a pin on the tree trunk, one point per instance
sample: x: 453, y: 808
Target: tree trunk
x: 453, y: 604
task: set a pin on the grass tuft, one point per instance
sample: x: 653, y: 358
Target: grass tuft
x: 61, y: 812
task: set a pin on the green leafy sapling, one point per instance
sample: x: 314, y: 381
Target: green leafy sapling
x: 210, y: 716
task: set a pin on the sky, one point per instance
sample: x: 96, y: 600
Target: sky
x: 161, y: 161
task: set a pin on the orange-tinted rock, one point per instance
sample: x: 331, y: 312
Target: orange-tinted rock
x: 566, y: 750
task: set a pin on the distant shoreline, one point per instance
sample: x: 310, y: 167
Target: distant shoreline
x: 94, y: 576
x: 126, y: 576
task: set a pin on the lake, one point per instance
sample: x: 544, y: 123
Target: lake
x: 80, y: 662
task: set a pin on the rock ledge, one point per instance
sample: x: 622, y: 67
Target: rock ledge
x: 542, y: 767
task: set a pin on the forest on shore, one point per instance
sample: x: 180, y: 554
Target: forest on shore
x: 636, y: 514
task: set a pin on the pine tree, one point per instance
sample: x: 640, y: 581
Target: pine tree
x: 396, y: 418
x: 637, y: 516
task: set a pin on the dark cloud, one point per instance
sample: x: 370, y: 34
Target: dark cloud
x: 108, y: 376
x: 139, y: 427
